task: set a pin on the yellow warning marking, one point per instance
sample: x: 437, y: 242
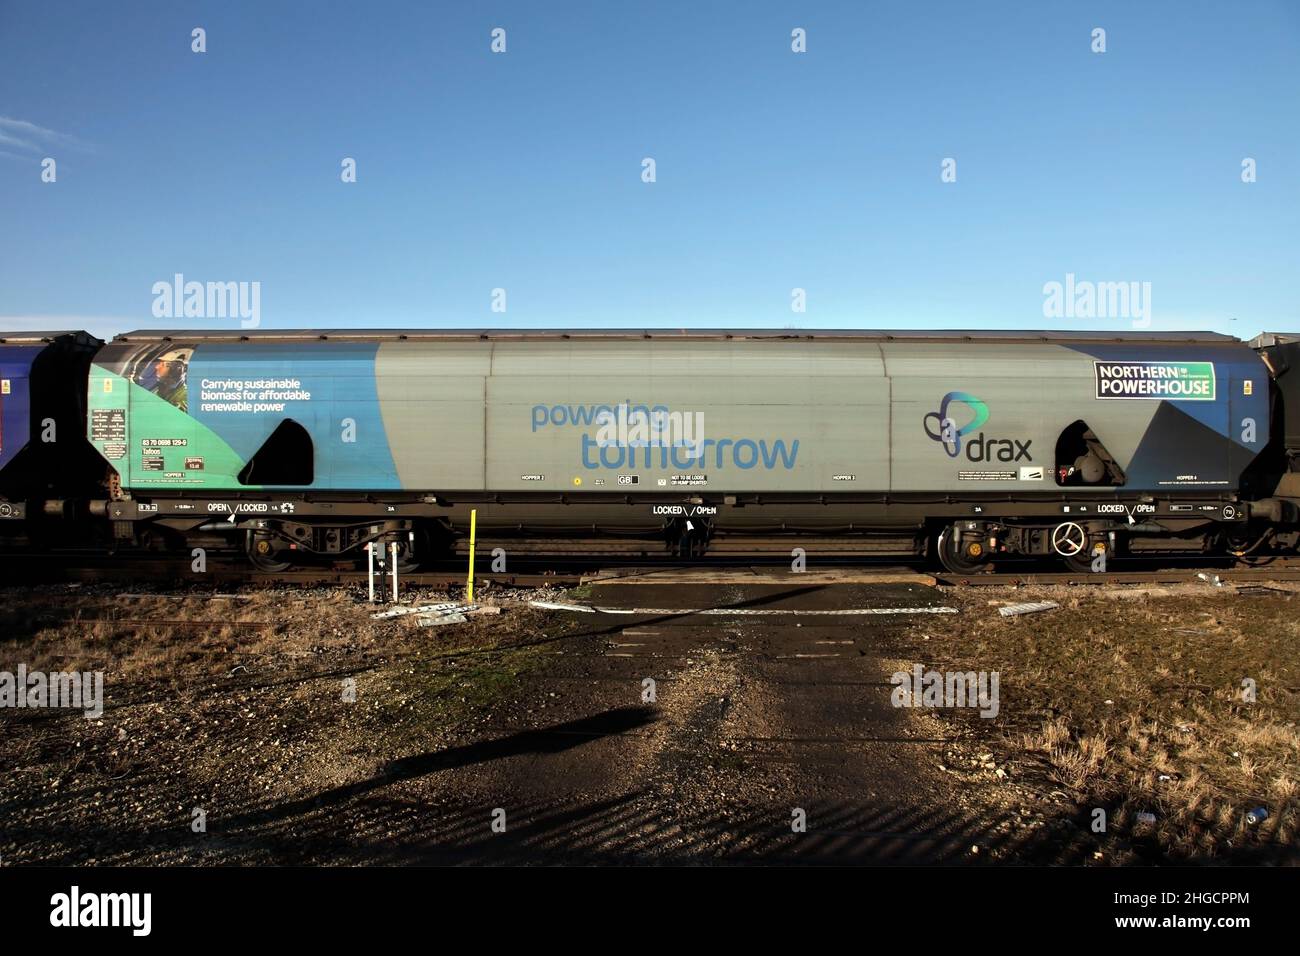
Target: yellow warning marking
x: 473, y: 533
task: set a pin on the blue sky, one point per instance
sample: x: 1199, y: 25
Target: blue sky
x: 775, y: 170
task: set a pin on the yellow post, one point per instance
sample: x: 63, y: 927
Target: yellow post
x: 473, y: 528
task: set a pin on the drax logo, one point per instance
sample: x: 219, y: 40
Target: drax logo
x: 946, y: 429
x: 940, y: 426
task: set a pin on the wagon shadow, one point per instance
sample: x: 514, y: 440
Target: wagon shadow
x: 554, y: 739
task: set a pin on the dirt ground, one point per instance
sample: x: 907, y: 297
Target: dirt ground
x: 289, y: 726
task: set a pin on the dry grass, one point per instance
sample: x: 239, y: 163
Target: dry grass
x: 1139, y: 707
x: 1075, y: 763
x: 229, y: 701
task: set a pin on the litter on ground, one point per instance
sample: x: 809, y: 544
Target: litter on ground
x: 1031, y: 607
x: 449, y: 607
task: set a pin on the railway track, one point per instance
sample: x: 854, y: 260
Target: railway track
x: 176, y: 572
x: 1213, y: 578
x: 570, y: 571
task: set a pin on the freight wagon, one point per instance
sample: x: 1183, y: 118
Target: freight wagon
x: 48, y: 474
x: 297, y: 445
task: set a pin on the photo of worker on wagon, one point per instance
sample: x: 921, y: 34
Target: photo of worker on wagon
x: 162, y: 370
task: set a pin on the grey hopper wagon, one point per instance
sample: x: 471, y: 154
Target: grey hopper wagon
x: 978, y: 443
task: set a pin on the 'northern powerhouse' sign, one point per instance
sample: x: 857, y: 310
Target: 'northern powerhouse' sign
x: 1169, y: 381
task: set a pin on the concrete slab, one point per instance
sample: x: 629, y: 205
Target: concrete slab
x: 679, y: 577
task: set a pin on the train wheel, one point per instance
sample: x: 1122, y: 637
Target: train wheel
x: 1082, y: 564
x: 408, y: 559
x: 972, y: 558
x: 1245, y: 549
x: 1070, y: 542
x: 262, y: 554
x: 688, y: 546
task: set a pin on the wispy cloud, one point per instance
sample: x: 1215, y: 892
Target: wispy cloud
x: 22, y: 134
x: 15, y: 141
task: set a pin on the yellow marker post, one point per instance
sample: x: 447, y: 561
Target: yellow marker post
x: 473, y: 529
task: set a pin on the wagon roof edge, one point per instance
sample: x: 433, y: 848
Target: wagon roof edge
x: 1055, y: 337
